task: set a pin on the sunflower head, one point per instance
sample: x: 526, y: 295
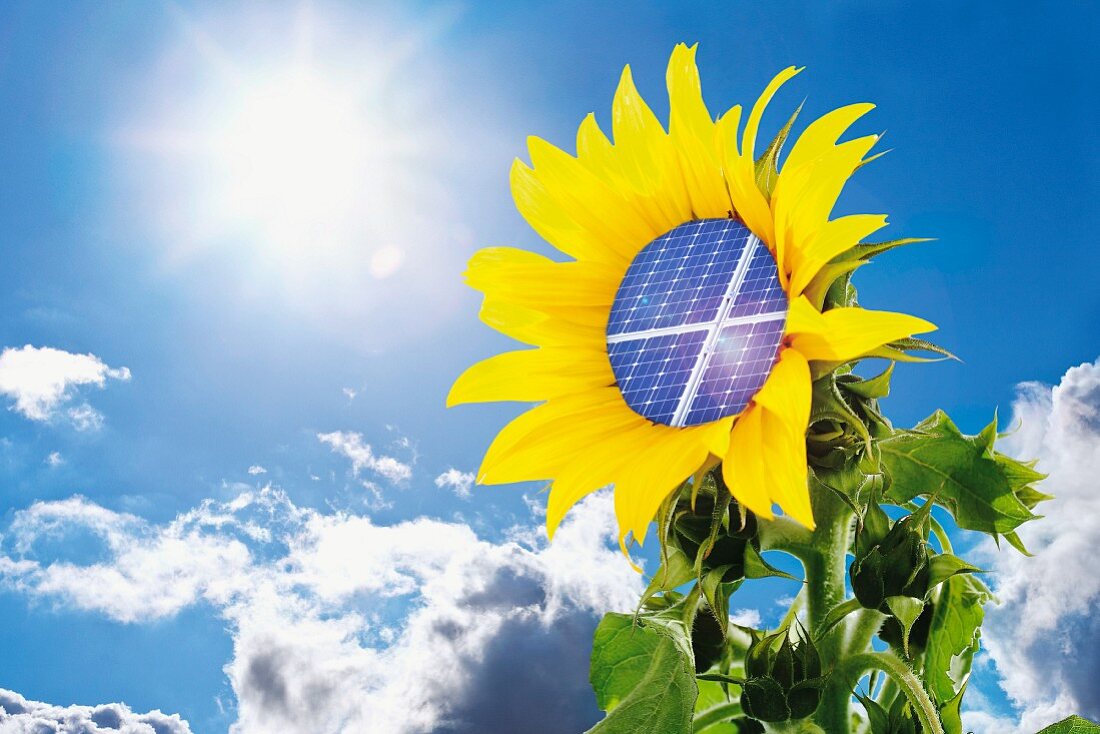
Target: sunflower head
x: 690, y: 313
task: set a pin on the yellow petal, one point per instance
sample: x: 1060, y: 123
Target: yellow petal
x: 520, y: 276
x: 552, y: 223
x: 557, y: 444
x: 691, y: 130
x: 844, y: 334
x: 804, y: 197
x: 598, y: 155
x: 658, y: 469
x: 591, y: 203
x: 822, y: 134
x: 748, y: 142
x: 836, y: 237
x: 538, y: 328
x: 743, y: 466
x: 715, y: 436
x: 532, y: 375
x: 575, y: 407
x: 787, y: 391
x: 602, y: 463
x: 785, y: 401
x: 748, y: 201
x: 648, y: 158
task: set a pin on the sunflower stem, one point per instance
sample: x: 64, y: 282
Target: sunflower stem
x: 825, y: 562
x: 849, y: 670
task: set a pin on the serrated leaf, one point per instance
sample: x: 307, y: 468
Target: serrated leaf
x: 643, y: 676
x: 936, y: 459
x: 1013, y: 539
x: 953, y: 637
x: 1072, y: 725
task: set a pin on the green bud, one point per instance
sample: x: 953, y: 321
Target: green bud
x: 783, y: 678
x: 708, y: 640
x: 693, y: 528
x: 894, y: 563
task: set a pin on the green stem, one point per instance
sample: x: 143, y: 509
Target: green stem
x: 825, y: 563
x: 849, y: 670
x: 716, y: 715
x: 867, y: 623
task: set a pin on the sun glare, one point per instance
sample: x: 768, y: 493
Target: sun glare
x: 293, y: 154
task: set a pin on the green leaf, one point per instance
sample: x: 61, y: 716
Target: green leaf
x: 954, y: 635
x: 906, y: 609
x: 1072, y: 725
x: 944, y: 565
x: 830, y: 405
x: 767, y: 165
x: 837, y: 613
x: 936, y: 459
x: 873, y: 388
x: 643, y: 676
x: 951, y: 713
x: 757, y: 568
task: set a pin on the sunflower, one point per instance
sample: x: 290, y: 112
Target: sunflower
x: 688, y: 324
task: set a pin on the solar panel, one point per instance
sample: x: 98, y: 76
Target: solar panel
x: 696, y: 323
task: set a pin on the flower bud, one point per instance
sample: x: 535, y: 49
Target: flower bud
x: 783, y: 679
x: 894, y: 563
x: 693, y: 529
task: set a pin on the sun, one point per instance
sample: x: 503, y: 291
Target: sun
x: 292, y: 153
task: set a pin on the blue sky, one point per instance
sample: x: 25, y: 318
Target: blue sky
x: 248, y: 328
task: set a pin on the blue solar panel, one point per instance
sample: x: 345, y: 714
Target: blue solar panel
x: 696, y: 324
x: 655, y: 370
x: 679, y: 278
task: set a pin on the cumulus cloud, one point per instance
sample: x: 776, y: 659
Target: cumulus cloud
x: 459, y: 481
x: 256, y: 469
x: 1044, y: 636
x: 20, y: 716
x: 342, y: 624
x: 362, y: 456
x: 40, y: 380
x: 55, y: 459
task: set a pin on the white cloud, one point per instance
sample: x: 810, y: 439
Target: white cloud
x: 20, y: 716
x: 362, y: 456
x: 341, y: 624
x: 1044, y: 635
x: 746, y: 617
x: 55, y: 459
x: 461, y: 482
x: 256, y: 469
x: 41, y: 379
x: 85, y: 418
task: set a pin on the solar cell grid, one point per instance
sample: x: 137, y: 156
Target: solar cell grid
x: 696, y: 323
x: 679, y: 278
